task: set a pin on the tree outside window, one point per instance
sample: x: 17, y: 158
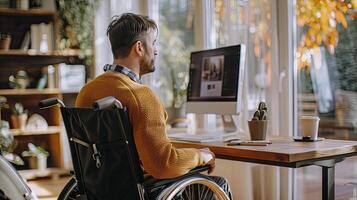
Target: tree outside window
x: 327, y: 62
x: 176, y: 40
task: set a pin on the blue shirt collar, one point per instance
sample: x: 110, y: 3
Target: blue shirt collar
x: 124, y: 70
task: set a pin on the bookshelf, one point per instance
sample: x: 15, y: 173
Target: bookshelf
x: 18, y: 23
x: 14, y: 92
x: 50, y: 130
x: 30, y: 13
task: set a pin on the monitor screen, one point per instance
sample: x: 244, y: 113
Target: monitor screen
x: 215, y: 79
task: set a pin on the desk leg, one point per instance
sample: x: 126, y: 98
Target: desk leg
x: 328, y: 177
x: 328, y: 183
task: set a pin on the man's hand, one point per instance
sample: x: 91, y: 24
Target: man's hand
x: 209, y: 159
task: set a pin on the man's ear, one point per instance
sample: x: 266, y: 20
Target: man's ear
x: 138, y: 48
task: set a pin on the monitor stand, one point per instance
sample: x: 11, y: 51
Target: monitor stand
x: 228, y: 124
x: 204, y: 128
x: 208, y: 124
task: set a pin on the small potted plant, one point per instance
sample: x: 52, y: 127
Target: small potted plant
x: 19, y: 116
x: 37, y: 156
x: 7, y: 142
x: 258, y: 124
x: 20, y: 81
x: 5, y: 41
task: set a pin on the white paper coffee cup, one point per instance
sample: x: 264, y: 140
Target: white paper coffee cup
x: 309, y: 126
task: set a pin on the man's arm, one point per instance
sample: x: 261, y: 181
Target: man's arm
x: 159, y: 157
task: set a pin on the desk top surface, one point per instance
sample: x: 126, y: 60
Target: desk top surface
x: 283, y: 150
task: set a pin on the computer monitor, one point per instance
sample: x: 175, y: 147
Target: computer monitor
x: 216, y: 80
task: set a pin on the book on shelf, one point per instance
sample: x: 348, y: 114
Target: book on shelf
x: 71, y: 77
x: 26, y: 41
x: 42, y: 38
x: 49, y: 5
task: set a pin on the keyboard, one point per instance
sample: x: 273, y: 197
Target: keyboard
x: 201, y: 138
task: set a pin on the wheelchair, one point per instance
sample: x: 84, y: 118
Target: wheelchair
x: 106, y: 164
x: 12, y: 186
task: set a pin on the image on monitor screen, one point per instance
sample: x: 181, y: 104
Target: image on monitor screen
x: 212, y: 76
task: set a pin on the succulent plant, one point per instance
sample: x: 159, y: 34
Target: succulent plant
x: 18, y: 109
x: 35, y: 151
x: 261, y: 113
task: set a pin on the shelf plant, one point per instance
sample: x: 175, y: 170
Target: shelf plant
x: 19, y: 116
x: 77, y: 25
x: 37, y: 156
x: 7, y: 142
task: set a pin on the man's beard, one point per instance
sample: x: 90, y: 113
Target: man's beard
x: 148, y: 67
x: 152, y: 65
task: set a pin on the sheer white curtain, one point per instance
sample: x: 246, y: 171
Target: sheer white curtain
x: 106, y: 11
x: 255, y: 24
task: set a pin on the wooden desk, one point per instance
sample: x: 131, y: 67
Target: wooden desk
x: 285, y: 152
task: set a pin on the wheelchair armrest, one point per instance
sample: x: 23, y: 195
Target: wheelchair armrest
x: 199, y: 169
x: 107, y: 102
x: 151, y: 182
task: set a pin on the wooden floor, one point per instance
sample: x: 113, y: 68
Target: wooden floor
x: 48, y: 189
x: 308, y: 183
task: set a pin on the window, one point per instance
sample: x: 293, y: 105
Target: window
x: 250, y: 23
x: 176, y: 40
x: 221, y: 23
x: 327, y: 65
x: 327, y: 80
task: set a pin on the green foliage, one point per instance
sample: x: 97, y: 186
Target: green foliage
x: 346, y: 59
x: 34, y: 151
x: 8, y: 144
x: 77, y: 26
x: 6, y: 138
x: 18, y: 109
x: 304, y: 81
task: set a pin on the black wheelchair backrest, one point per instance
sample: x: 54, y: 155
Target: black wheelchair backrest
x: 105, y: 159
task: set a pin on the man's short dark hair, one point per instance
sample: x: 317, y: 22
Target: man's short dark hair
x: 125, y: 30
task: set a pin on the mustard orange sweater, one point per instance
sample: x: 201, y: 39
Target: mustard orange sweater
x: 148, y: 117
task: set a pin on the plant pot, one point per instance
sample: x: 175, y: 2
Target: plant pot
x: 19, y: 121
x: 41, y: 162
x: 32, y: 161
x: 258, y: 129
x: 5, y: 43
x: 38, y: 162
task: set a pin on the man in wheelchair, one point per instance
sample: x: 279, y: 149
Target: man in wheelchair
x: 133, y: 39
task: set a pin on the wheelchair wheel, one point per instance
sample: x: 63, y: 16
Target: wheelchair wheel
x: 12, y: 186
x: 70, y: 191
x: 194, y: 188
